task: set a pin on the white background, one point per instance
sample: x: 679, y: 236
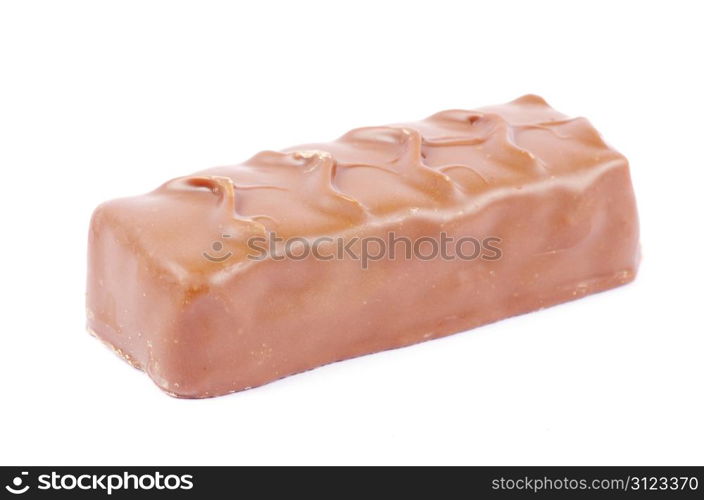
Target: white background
x: 106, y: 99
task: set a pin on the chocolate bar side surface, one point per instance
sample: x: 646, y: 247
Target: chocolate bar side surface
x: 556, y: 196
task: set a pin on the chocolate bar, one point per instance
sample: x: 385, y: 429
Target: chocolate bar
x: 388, y: 236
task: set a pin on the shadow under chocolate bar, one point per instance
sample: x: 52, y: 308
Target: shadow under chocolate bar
x: 387, y: 236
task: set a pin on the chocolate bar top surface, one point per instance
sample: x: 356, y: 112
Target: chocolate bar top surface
x: 443, y: 165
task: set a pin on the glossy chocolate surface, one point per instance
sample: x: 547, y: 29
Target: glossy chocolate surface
x: 173, y: 289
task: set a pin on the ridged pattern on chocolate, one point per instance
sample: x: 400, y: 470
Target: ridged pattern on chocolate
x: 436, y: 162
x: 438, y: 165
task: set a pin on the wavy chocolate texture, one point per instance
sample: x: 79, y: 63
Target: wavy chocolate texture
x: 555, y: 193
x: 450, y: 159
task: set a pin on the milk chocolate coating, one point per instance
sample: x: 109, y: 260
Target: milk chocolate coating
x: 556, y: 195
